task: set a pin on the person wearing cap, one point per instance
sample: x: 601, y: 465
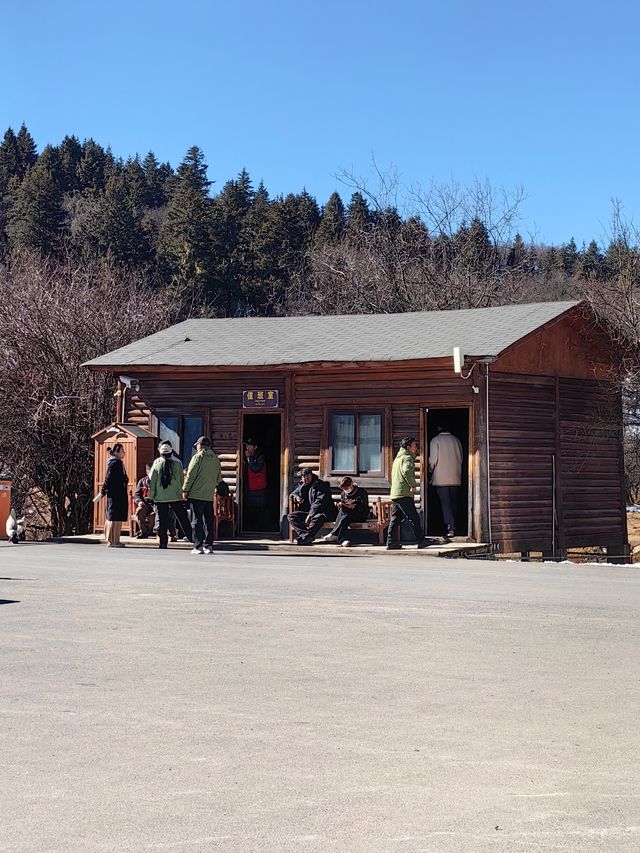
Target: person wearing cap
x: 255, y: 487
x: 315, y: 506
x: 203, y: 475
x: 165, y: 490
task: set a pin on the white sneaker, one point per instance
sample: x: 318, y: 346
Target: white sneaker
x: 197, y: 551
x: 345, y: 543
x: 329, y: 538
x: 208, y: 549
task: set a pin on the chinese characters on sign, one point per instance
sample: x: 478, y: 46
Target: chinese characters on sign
x: 260, y: 399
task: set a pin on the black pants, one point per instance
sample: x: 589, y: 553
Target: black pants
x: 163, y: 520
x: 302, y: 532
x: 404, y: 508
x: 448, y: 497
x: 202, y: 523
x: 344, y: 519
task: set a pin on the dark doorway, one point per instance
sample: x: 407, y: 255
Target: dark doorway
x: 265, y: 430
x: 456, y: 421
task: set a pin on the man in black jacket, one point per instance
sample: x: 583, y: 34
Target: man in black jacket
x: 315, y: 506
x: 354, y: 506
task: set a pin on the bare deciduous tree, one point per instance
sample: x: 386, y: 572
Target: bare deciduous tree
x: 55, y: 317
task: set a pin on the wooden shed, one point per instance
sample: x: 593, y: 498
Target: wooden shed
x: 536, y: 407
x: 139, y: 445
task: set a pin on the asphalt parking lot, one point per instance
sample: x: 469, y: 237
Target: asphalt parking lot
x: 311, y: 703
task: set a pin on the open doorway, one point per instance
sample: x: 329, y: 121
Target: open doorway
x: 455, y: 421
x: 261, y: 513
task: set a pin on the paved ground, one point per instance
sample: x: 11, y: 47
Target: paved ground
x: 272, y: 702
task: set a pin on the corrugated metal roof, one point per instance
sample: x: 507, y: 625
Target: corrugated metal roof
x: 359, y: 337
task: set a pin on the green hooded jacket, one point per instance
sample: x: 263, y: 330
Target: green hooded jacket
x: 173, y: 492
x: 403, y: 474
x: 203, y: 475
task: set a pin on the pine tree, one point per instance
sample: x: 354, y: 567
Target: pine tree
x: 590, y: 262
x: 333, y: 221
x: 27, y: 151
x: 36, y: 219
x: 92, y: 166
x: 156, y: 177
x: 69, y: 156
x: 9, y: 161
x: 184, y: 248
x: 358, y: 216
x: 136, y: 184
x: 569, y: 257
x: 116, y: 228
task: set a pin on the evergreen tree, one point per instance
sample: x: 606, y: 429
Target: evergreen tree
x: 333, y: 221
x: 569, y: 257
x: 156, y: 178
x: 36, y: 219
x: 136, y: 184
x: 9, y: 161
x: 116, y: 230
x: 27, y: 151
x: 184, y: 241
x: 69, y: 156
x: 590, y: 262
x: 358, y: 215
x: 91, y: 168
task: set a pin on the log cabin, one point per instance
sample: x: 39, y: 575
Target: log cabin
x: 535, y: 404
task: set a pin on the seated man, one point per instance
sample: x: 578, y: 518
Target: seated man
x: 315, y: 506
x: 354, y: 506
x: 145, y: 511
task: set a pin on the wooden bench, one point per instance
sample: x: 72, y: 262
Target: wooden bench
x: 379, y: 510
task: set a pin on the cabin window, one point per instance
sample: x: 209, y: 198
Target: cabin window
x: 181, y: 431
x: 356, y: 443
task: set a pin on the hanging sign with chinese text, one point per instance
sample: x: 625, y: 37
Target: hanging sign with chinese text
x: 260, y: 399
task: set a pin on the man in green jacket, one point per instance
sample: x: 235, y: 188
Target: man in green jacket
x: 203, y: 475
x: 403, y: 486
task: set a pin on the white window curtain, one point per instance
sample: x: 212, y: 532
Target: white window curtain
x: 344, y: 442
x: 369, y: 443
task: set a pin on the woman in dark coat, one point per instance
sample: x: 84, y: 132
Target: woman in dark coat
x: 115, y: 488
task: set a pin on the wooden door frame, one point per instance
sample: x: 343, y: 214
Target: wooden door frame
x: 424, y: 471
x: 283, y: 494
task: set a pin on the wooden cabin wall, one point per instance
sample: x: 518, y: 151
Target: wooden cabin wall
x: 400, y: 391
x: 522, y: 443
x: 593, y: 504
x: 534, y: 424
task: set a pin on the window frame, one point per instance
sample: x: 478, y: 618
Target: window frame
x: 167, y: 413
x: 355, y: 413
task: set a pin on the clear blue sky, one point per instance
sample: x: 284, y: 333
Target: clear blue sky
x: 538, y: 93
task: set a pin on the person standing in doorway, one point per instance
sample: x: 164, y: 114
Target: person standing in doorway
x: 255, y: 486
x: 203, y: 475
x: 403, y: 486
x: 165, y: 490
x: 115, y: 488
x: 445, y: 464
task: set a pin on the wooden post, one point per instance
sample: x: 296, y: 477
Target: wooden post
x: 288, y: 440
x: 478, y: 457
x: 559, y: 550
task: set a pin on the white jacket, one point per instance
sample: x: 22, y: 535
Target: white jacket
x: 445, y: 459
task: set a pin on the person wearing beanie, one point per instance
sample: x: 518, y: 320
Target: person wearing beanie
x: 165, y: 490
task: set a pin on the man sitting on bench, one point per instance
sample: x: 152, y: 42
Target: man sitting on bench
x: 354, y: 507
x: 315, y: 506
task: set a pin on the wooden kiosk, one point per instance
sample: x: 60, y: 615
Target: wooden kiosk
x: 139, y: 445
